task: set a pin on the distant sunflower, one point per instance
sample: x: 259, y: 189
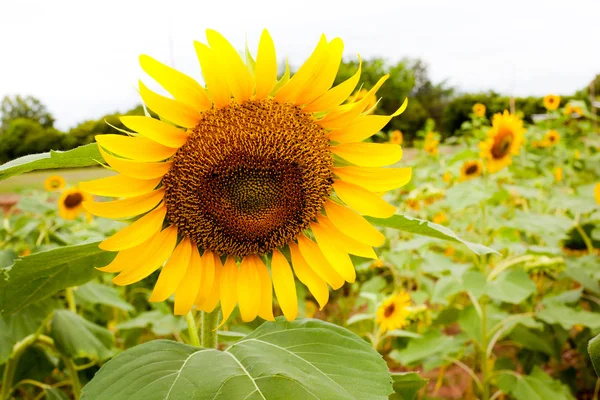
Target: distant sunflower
x: 447, y: 177
x: 245, y: 173
x: 413, y: 204
x: 552, y: 137
x: 396, y: 137
x: 431, y: 146
x: 479, y: 110
x: 551, y: 102
x: 54, y: 182
x: 597, y: 193
x: 440, y: 218
x: 70, y: 203
x: 558, y: 174
x: 571, y: 110
x: 504, y: 140
x: 393, y: 312
x: 470, y: 169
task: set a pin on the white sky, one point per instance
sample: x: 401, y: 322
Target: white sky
x: 80, y: 57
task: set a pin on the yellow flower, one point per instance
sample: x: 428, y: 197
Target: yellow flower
x: 393, y: 312
x: 479, y: 110
x: 470, y: 169
x: 540, y: 143
x: 70, y: 203
x: 396, y: 137
x: 431, y: 146
x: 413, y: 204
x: 54, y: 182
x: 430, y: 136
x: 440, y: 218
x: 365, y: 95
x: 447, y: 177
x: 551, y: 102
x: 597, y: 193
x: 244, y: 171
x: 570, y: 110
x: 577, y: 154
x: 504, y: 140
x: 551, y: 138
x: 558, y: 174
x: 449, y: 251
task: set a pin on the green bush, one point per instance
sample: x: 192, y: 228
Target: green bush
x: 24, y: 136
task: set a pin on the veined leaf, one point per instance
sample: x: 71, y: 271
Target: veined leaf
x: 97, y: 293
x: 594, y: 350
x: 76, y: 337
x: 406, y: 385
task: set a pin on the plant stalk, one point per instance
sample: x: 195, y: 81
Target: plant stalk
x: 74, y: 375
x: 11, y: 365
x: 208, y: 329
x: 484, y: 353
x: 71, y: 300
x: 192, y: 329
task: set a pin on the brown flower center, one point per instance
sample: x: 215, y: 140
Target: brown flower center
x: 502, y: 143
x: 73, y: 200
x: 389, y: 310
x: 250, y: 178
x: 471, y: 169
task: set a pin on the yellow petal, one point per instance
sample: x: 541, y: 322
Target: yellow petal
x: 324, y: 74
x: 375, y: 179
x: 334, y: 253
x: 208, y: 276
x: 216, y: 84
x: 363, y: 127
x: 125, y: 258
x: 138, y: 148
x: 173, y: 272
x: 159, y: 249
x: 336, y: 96
x: 314, y: 258
x: 289, y: 92
x: 119, y: 186
x: 138, y: 232
x: 135, y: 169
x: 352, y: 224
x: 233, y: 68
x: 125, y: 208
x: 182, y: 87
x: 209, y: 302
x: 266, y: 66
x: 172, y: 110
x: 228, y: 288
x: 350, y: 245
x: 248, y: 289
x: 369, y: 154
x: 315, y: 284
x: 362, y: 200
x: 285, y: 288
x: 265, y: 309
x: 154, y: 129
x: 186, y: 292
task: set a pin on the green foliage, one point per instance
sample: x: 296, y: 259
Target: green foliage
x: 24, y: 136
x: 406, y: 385
x: 77, y: 338
x: 26, y: 107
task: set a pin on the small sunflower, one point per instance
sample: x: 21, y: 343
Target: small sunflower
x: 558, y: 174
x: 551, y: 102
x: 471, y: 169
x: 552, y: 138
x: 447, y: 177
x: 440, y: 218
x: 70, y: 203
x: 597, y: 193
x: 244, y: 177
x: 504, y: 140
x: 479, y: 110
x: 413, y: 204
x: 54, y: 182
x: 393, y: 312
x: 431, y: 146
x: 571, y: 110
x: 396, y: 137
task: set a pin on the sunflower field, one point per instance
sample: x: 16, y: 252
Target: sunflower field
x: 268, y: 235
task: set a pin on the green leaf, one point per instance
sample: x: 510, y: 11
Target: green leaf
x: 303, y: 359
x: 76, y: 337
x: 594, y: 350
x: 406, y: 385
x: 427, y: 228
x: 7, y: 257
x: 360, y: 317
x: 54, y: 394
x: 567, y: 317
x: 431, y: 344
x: 537, y: 386
x: 532, y: 340
x: 82, y: 156
x: 511, y: 286
x: 38, y: 276
x: 97, y: 293
x: 466, y: 194
x: 445, y: 287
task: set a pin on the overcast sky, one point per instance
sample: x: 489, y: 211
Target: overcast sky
x: 80, y: 57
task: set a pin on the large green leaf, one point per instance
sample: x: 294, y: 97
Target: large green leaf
x: 511, y: 286
x: 427, y: 228
x: 567, y: 317
x: 432, y: 344
x: 465, y: 194
x: 406, y: 385
x: 76, y: 337
x: 594, y: 350
x: 38, y: 276
x: 303, y: 359
x: 97, y: 293
x: 536, y: 386
x: 82, y: 156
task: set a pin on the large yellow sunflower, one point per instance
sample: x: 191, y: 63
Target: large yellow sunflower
x: 393, y: 312
x: 70, y: 203
x: 551, y: 102
x: 504, y: 140
x: 242, y: 181
x: 470, y: 169
x: 54, y: 182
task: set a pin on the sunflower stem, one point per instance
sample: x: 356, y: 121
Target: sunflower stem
x: 71, y: 300
x: 208, y: 329
x: 192, y: 330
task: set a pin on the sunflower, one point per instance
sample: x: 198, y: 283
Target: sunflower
x: 396, y: 137
x: 552, y: 137
x: 440, y: 218
x: 504, y: 140
x: 447, y: 177
x: 431, y: 146
x: 413, y: 204
x: 571, y: 110
x: 479, y: 110
x: 597, y: 193
x: 470, y: 170
x: 70, y: 203
x: 551, y: 102
x: 54, y: 182
x: 242, y: 183
x: 558, y: 174
x: 393, y: 312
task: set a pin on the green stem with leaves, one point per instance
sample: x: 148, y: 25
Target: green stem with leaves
x: 11, y: 365
x: 74, y: 375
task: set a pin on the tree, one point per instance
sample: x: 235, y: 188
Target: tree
x: 27, y: 107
